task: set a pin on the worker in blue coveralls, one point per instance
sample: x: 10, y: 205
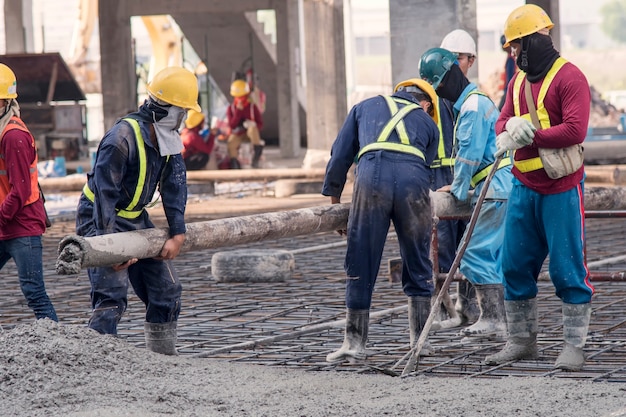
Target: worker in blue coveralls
x: 395, y: 141
x: 141, y: 152
x: 475, y: 145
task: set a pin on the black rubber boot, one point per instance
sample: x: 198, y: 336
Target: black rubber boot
x: 419, y: 309
x: 521, y: 317
x: 234, y: 163
x: 161, y: 337
x: 575, y: 326
x: 492, y: 321
x: 258, y: 151
x: 355, y: 337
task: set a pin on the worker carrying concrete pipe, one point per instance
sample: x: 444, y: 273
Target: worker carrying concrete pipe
x: 138, y: 154
x: 544, y: 119
x: 394, y: 140
x: 246, y: 122
x: 475, y: 146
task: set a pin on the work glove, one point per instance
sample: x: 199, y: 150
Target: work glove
x: 505, y: 143
x: 248, y: 124
x: 521, y: 130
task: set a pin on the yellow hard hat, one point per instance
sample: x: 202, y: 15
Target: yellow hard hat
x: 194, y: 118
x: 426, y: 88
x: 239, y: 88
x: 176, y: 86
x: 524, y: 21
x: 8, y: 83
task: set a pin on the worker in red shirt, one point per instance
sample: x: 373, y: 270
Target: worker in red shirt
x: 246, y: 122
x: 22, y: 212
x: 544, y: 119
x: 197, y: 148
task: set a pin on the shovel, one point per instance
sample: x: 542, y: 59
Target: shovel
x: 413, y: 354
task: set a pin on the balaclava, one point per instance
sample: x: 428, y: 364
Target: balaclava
x: 536, y: 56
x: 452, y: 84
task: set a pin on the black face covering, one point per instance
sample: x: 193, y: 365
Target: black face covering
x: 453, y: 84
x: 536, y: 56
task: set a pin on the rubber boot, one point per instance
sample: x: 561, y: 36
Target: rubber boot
x: 258, y: 151
x: 466, y: 303
x: 521, y: 317
x: 492, y: 321
x: 575, y: 326
x: 355, y: 337
x: 234, y: 163
x: 161, y: 337
x: 419, y: 309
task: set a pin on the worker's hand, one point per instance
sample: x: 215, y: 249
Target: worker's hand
x: 172, y: 247
x: 248, y: 124
x: 521, y: 130
x: 122, y: 266
x: 505, y: 143
x: 444, y: 189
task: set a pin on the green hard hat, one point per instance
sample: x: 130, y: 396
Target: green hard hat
x: 434, y: 64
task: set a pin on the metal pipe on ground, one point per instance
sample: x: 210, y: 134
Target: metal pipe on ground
x: 76, y: 252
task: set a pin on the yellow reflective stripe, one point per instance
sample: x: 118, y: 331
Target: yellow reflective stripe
x: 482, y: 174
x: 397, y: 123
x: 528, y: 165
x: 445, y: 162
x: 141, y: 151
x: 122, y: 213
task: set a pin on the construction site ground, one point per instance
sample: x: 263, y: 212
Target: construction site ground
x: 269, y: 323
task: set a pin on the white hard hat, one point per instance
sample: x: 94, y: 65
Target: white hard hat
x: 459, y: 42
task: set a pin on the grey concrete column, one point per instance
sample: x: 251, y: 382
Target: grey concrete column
x: 418, y: 26
x: 117, y: 65
x: 326, y: 77
x: 287, y: 42
x: 18, y: 26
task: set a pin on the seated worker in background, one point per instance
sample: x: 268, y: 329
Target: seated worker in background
x: 245, y: 120
x: 197, y: 148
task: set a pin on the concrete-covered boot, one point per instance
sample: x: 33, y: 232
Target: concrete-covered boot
x: 258, y: 151
x: 492, y: 321
x: 161, y: 337
x: 521, y: 317
x: 419, y: 309
x: 575, y: 326
x: 466, y: 302
x: 355, y: 337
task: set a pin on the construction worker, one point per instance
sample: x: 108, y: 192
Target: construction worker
x: 138, y: 154
x: 547, y: 106
x: 395, y: 141
x: 22, y: 212
x: 475, y: 142
x: 449, y: 232
x: 197, y: 148
x: 246, y: 121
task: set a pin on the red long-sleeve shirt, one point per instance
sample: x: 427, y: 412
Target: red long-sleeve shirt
x: 236, y: 117
x: 16, y: 219
x: 568, y: 103
x: 194, y: 143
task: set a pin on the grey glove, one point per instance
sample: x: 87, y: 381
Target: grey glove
x: 521, y: 130
x: 505, y: 143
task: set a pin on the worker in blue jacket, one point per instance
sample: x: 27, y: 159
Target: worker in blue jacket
x: 140, y: 153
x: 475, y: 145
x: 394, y: 140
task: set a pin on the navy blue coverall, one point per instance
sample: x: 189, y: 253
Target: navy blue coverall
x: 113, y: 182
x: 390, y: 186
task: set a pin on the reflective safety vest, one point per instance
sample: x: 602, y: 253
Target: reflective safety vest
x: 533, y: 164
x: 5, y: 187
x: 130, y: 212
x: 442, y: 160
x: 483, y: 173
x: 397, y: 123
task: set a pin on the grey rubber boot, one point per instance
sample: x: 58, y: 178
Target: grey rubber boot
x: 521, y: 317
x: 466, y: 302
x: 492, y: 320
x: 161, y: 337
x: 256, y: 157
x: 419, y: 309
x: 575, y: 326
x: 355, y: 337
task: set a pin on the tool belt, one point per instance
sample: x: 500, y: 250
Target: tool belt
x: 557, y: 162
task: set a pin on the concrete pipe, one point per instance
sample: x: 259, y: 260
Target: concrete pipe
x: 247, y: 265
